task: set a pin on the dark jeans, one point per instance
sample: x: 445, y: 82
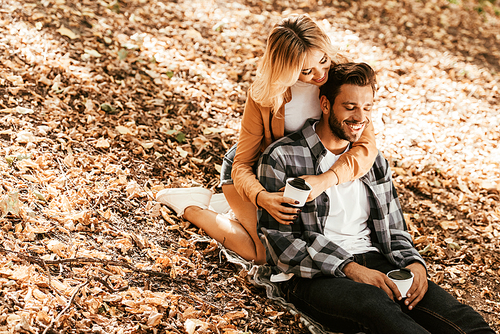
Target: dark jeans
x: 343, y: 305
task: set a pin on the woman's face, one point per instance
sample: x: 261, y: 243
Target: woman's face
x: 315, y: 68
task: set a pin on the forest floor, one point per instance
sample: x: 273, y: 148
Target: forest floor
x: 104, y: 103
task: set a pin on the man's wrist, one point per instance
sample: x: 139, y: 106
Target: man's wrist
x: 349, y: 269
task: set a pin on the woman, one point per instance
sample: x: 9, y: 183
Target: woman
x: 283, y: 96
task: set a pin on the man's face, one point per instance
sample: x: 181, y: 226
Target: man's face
x: 351, y: 112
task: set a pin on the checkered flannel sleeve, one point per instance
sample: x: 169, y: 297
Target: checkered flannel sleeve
x: 392, y: 237
x: 299, y: 248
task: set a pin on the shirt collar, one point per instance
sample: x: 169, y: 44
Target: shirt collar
x: 312, y: 139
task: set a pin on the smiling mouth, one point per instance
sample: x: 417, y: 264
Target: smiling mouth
x: 356, y: 126
x: 320, y: 79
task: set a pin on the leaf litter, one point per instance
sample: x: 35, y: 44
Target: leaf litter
x: 104, y: 103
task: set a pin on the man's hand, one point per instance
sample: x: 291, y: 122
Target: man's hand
x: 419, y: 286
x: 272, y: 203
x: 320, y: 183
x: 362, y: 274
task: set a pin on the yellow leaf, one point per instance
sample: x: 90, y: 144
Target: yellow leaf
x: 102, y: 143
x: 235, y: 315
x: 182, y: 152
x: 30, y: 178
x: 154, y: 319
x: 66, y: 32
x: 93, y: 53
x: 208, y: 131
x: 15, y: 79
x: 57, y: 247
x: 449, y: 225
x: 147, y: 145
x: 21, y: 273
x: 25, y: 137
x: 197, y: 161
x: 191, y: 324
x: 123, y: 130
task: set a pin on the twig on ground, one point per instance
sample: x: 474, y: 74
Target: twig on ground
x: 49, y: 327
x: 107, y: 286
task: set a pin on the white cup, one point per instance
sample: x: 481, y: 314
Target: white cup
x: 299, y: 195
x: 403, y: 284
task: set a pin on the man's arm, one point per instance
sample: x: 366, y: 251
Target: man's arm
x: 392, y: 237
x: 397, y: 244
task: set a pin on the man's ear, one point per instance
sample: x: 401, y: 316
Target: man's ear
x: 325, y: 104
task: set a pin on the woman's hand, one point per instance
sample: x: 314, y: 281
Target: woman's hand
x: 320, y: 183
x: 272, y: 203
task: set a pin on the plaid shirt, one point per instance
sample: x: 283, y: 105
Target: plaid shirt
x: 302, y: 248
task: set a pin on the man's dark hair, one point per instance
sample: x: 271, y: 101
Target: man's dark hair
x: 359, y: 74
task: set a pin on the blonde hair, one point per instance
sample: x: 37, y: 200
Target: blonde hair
x: 287, y: 46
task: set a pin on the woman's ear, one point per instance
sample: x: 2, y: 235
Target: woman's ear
x: 325, y: 104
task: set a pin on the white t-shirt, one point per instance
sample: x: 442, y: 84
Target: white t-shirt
x: 349, y: 211
x: 303, y: 105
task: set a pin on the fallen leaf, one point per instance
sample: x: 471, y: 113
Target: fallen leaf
x: 147, y: 145
x: 182, y: 152
x: 123, y: 130
x: 93, y: 53
x: 57, y: 247
x: 190, y: 325
x: 10, y: 204
x: 235, y: 315
x: 66, y: 32
x: 102, y: 143
x: 154, y: 319
x: 449, y: 225
x: 25, y: 137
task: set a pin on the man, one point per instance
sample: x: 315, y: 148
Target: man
x: 343, y: 243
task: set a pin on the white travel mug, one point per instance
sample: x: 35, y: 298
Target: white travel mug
x: 297, y: 189
x: 403, y: 279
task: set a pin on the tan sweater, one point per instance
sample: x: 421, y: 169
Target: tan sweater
x: 260, y: 127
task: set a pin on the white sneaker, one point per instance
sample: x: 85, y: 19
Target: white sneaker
x: 179, y: 199
x: 219, y: 204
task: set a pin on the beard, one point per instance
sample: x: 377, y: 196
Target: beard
x: 337, y: 128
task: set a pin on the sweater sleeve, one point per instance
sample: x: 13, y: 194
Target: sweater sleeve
x: 248, y: 152
x: 359, y: 159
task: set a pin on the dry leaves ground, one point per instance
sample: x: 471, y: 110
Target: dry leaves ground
x: 104, y: 103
